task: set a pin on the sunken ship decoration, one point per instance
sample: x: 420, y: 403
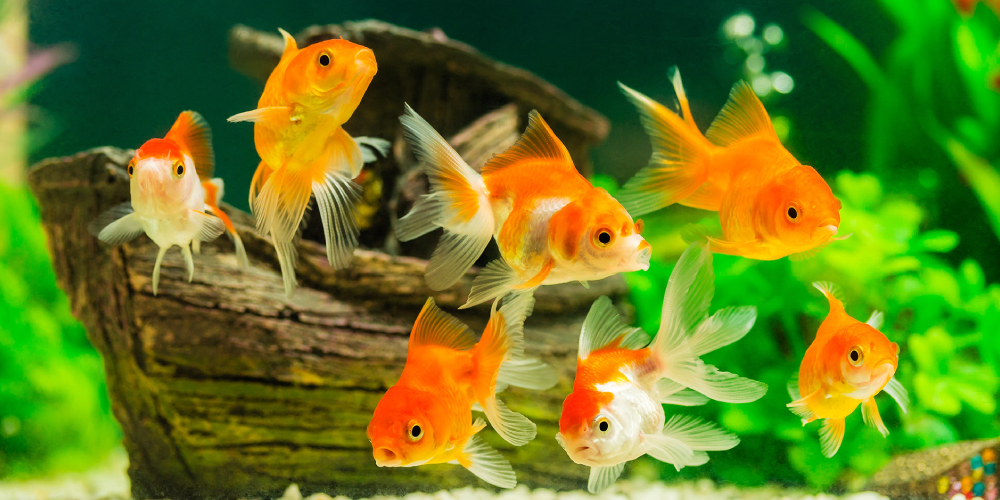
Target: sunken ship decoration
x: 965, y: 470
x: 222, y: 387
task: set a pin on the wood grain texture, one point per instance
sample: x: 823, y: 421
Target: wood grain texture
x: 224, y: 388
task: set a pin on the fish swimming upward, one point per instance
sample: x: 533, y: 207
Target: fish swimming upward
x: 551, y: 225
x: 171, y: 187
x: 426, y: 417
x: 305, y: 151
x: 615, y: 412
x: 770, y: 206
x: 847, y: 365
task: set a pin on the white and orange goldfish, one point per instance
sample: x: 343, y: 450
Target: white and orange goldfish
x: 615, y: 412
x: 304, y: 150
x: 551, y: 225
x: 171, y: 187
x: 426, y: 418
x: 847, y: 364
x: 770, y: 205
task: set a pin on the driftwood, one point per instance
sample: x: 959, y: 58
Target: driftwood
x: 222, y: 387
x: 448, y: 83
x: 225, y: 388
x: 916, y: 475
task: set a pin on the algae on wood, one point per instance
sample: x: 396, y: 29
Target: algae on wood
x: 225, y: 388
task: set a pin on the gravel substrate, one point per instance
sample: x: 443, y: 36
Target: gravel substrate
x: 109, y: 482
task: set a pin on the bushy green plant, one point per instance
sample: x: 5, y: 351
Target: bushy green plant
x: 54, y: 411
x: 943, y: 318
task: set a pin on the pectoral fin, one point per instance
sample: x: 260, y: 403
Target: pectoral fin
x: 487, y: 463
x: 803, y: 407
x: 871, y: 416
x: 262, y: 114
x: 601, y: 478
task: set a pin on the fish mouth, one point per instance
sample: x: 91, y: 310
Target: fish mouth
x: 643, y: 254
x: 827, y: 229
x: 880, y: 376
x: 386, y: 457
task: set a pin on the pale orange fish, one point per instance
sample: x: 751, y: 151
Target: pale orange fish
x: 426, y: 418
x: 847, y: 364
x: 171, y: 184
x: 551, y: 225
x: 304, y: 149
x: 770, y: 205
x: 615, y: 412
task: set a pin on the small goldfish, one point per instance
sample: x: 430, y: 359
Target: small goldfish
x: 171, y: 184
x: 304, y: 149
x: 615, y: 412
x: 426, y: 417
x: 769, y: 204
x: 551, y: 225
x: 847, y: 365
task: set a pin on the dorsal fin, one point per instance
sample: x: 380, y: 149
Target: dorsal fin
x: 192, y: 133
x: 682, y: 100
x: 537, y: 143
x: 436, y: 327
x: 290, y: 45
x: 604, y: 327
x: 741, y: 117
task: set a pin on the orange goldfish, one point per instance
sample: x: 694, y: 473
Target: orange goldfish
x: 551, y: 225
x: 304, y: 149
x: 426, y: 417
x: 847, y: 365
x: 615, y: 412
x: 769, y: 204
x: 171, y: 184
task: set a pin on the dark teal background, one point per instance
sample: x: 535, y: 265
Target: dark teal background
x: 141, y: 63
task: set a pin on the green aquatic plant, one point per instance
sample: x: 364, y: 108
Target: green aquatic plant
x: 942, y: 317
x: 54, y: 410
x: 939, y: 79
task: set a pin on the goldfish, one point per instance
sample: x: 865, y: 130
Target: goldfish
x: 171, y: 186
x: 770, y: 206
x: 426, y: 417
x: 299, y: 135
x: 847, y: 364
x: 615, y: 412
x: 551, y: 225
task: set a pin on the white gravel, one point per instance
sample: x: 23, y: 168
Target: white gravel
x: 109, y: 482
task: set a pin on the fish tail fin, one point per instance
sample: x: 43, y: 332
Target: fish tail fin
x: 831, y: 436
x: 459, y: 205
x: 685, y: 439
x: 687, y: 332
x: 502, y: 340
x: 214, y: 191
x: 278, y: 209
x: 192, y: 133
x: 487, y: 463
x: 681, y: 155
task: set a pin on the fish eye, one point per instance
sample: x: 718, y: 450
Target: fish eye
x: 856, y: 356
x: 793, y: 212
x: 324, y: 59
x: 603, y: 424
x: 414, y: 432
x: 603, y: 237
x: 131, y: 167
x: 178, y: 169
